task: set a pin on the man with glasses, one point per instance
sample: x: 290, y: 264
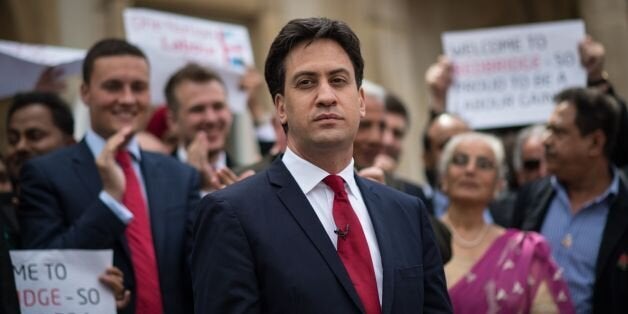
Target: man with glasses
x: 529, y: 154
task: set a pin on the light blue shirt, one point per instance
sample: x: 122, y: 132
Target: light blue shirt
x: 96, y: 144
x: 575, y: 239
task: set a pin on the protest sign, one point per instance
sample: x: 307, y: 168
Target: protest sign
x: 507, y: 76
x: 22, y: 64
x: 171, y: 40
x: 62, y: 281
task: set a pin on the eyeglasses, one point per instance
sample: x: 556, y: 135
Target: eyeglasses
x: 531, y: 164
x: 481, y: 162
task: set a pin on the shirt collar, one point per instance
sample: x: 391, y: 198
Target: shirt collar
x: 309, y: 175
x: 96, y: 144
x: 609, y: 193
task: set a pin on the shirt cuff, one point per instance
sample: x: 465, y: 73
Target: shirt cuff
x: 118, y: 209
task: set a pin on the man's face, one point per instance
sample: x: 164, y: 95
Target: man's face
x: 203, y: 108
x: 566, y: 149
x: 533, y: 164
x: 31, y: 132
x: 368, y: 141
x: 394, y: 133
x: 117, y: 94
x: 439, y: 133
x: 321, y: 104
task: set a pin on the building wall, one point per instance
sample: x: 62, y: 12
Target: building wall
x: 400, y: 38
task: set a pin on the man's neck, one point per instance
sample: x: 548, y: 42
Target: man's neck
x: 586, y: 187
x: 332, y: 161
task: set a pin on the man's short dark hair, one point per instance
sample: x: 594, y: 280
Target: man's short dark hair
x: 108, y: 48
x: 308, y: 30
x: 594, y: 111
x: 395, y: 106
x: 59, y: 109
x: 191, y: 72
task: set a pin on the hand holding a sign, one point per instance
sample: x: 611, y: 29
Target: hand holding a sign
x: 250, y: 83
x: 51, y: 80
x: 438, y: 78
x: 113, y: 278
x: 592, y: 59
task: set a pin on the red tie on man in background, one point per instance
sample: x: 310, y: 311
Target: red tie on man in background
x: 140, y: 239
x: 353, y: 248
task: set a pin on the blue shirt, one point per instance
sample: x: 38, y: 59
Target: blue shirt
x: 575, y: 239
x: 96, y: 144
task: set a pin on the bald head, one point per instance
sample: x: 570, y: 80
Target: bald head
x: 439, y: 131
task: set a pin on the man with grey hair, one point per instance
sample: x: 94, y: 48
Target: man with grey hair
x: 529, y: 154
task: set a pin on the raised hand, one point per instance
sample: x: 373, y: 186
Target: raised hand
x: 111, y: 174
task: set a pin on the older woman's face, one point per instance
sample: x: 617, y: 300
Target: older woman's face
x: 471, y: 173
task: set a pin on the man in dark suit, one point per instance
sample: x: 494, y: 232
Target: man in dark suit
x: 308, y: 235
x: 105, y: 193
x: 582, y: 208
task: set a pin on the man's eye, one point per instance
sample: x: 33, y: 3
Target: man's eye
x: 338, y: 81
x: 112, y: 85
x: 139, y: 86
x: 304, y: 83
x: 35, y: 135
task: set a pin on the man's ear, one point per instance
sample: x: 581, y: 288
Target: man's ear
x: 362, y: 101
x: 598, y: 141
x: 85, y: 93
x: 280, y: 108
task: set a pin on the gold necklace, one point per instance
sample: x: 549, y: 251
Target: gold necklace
x: 469, y: 244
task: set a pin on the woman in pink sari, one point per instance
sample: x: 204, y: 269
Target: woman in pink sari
x: 492, y: 270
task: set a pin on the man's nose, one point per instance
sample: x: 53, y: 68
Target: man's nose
x: 326, y: 95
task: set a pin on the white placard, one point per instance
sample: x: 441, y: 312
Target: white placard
x: 507, y: 76
x: 62, y: 281
x: 22, y: 64
x: 171, y: 40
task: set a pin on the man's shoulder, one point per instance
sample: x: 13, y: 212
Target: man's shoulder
x: 385, y: 192
x: 60, y: 157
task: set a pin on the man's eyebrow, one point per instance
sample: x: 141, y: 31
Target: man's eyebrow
x: 339, y: 71
x: 303, y: 73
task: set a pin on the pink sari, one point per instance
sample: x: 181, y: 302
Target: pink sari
x: 506, y: 278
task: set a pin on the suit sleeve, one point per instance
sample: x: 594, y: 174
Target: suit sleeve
x: 223, y: 270
x: 436, y: 295
x: 46, y: 224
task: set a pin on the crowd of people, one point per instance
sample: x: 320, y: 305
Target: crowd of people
x: 322, y: 223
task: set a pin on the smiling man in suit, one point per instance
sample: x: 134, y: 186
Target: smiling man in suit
x: 307, y: 235
x: 106, y: 193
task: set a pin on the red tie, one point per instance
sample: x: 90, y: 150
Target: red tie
x: 140, y: 239
x: 352, y: 247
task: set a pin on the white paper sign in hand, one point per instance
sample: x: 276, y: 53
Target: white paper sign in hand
x: 62, y: 281
x: 507, y: 76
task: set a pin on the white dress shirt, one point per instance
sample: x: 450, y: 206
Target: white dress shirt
x: 309, y: 177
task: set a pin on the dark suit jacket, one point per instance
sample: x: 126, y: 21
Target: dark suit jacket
x: 60, y: 209
x: 610, y: 293
x: 8, y: 295
x: 260, y: 248
x: 442, y: 235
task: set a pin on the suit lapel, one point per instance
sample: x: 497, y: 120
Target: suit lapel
x: 299, y: 207
x: 154, y: 190
x: 376, y: 209
x: 85, y: 169
x: 616, y: 225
